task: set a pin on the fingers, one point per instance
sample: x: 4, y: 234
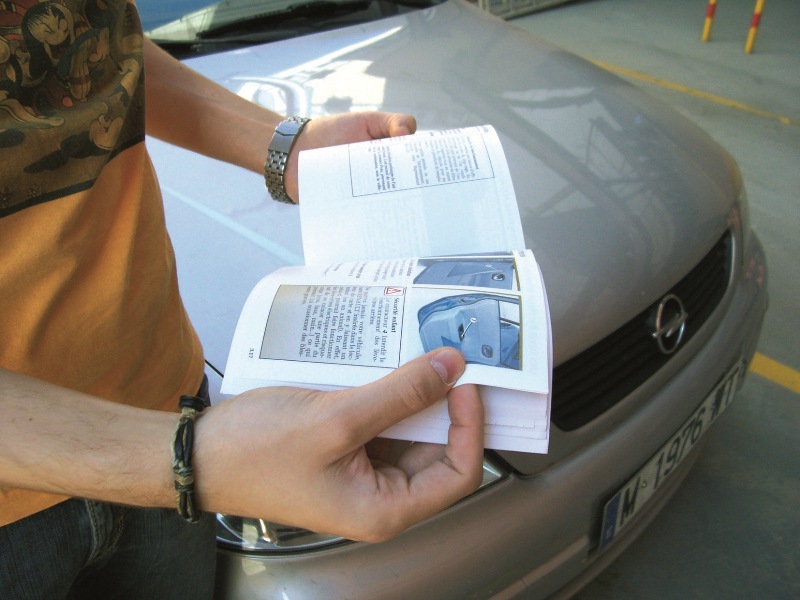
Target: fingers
x: 428, y: 478
x: 371, y: 409
x: 466, y: 431
x: 459, y: 470
x: 465, y: 434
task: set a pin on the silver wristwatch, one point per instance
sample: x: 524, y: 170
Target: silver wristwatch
x: 282, y: 141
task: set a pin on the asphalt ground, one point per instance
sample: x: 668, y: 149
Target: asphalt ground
x: 732, y: 530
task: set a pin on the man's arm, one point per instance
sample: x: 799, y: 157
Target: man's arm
x: 58, y: 440
x: 285, y: 454
x: 189, y: 110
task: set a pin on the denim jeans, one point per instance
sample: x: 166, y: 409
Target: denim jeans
x: 84, y: 549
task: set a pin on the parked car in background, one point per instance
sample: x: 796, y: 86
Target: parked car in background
x: 638, y: 219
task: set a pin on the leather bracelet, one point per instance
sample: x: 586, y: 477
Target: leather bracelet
x: 278, y: 153
x: 182, y: 445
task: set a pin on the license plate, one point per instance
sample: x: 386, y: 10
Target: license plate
x: 628, y: 501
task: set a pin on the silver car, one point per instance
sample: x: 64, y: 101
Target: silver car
x: 639, y: 220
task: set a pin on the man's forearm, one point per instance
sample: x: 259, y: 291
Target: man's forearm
x: 186, y: 109
x: 57, y: 440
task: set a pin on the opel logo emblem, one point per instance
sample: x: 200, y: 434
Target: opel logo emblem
x: 670, y: 323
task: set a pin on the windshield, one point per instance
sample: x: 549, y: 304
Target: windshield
x: 160, y: 12
x: 190, y: 27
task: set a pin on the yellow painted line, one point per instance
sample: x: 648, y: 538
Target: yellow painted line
x: 776, y: 372
x: 697, y: 93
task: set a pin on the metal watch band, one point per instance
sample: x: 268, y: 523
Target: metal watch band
x: 282, y: 141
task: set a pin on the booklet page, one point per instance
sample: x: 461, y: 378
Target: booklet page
x: 436, y: 192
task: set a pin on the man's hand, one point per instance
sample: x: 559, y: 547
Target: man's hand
x: 345, y: 128
x: 298, y: 456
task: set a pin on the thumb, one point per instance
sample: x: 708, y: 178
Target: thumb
x: 386, y: 124
x: 400, y: 124
x: 413, y: 387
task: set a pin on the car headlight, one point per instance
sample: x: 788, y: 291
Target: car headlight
x: 258, y: 535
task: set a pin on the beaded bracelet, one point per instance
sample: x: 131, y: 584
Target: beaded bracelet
x: 182, y: 445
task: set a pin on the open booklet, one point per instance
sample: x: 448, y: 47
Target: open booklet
x: 411, y: 244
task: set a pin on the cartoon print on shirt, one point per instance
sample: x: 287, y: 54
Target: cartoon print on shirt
x: 70, y: 94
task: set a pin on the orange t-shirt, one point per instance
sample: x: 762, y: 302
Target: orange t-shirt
x: 88, y: 291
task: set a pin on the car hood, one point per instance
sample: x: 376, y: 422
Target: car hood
x: 619, y: 196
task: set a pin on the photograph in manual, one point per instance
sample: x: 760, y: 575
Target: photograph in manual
x: 484, y: 327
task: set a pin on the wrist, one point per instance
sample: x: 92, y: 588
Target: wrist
x: 280, y: 146
x: 182, y: 447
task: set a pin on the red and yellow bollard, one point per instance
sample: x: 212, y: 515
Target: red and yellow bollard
x: 712, y: 8
x: 754, y: 23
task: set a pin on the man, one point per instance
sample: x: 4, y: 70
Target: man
x: 96, y: 348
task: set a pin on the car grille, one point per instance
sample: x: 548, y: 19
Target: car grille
x: 590, y: 383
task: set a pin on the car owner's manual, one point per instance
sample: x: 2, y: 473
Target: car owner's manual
x: 411, y: 243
